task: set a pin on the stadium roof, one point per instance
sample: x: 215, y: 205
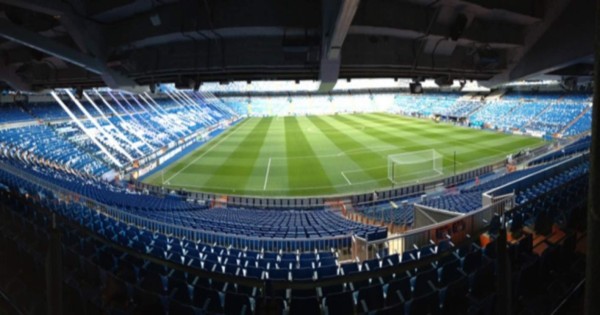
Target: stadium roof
x: 129, y: 43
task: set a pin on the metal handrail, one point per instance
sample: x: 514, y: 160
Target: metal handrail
x: 473, y: 220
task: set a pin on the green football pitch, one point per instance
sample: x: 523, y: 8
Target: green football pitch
x: 325, y: 155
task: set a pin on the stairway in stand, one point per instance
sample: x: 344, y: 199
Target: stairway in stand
x: 575, y: 120
x: 219, y: 202
x: 534, y: 118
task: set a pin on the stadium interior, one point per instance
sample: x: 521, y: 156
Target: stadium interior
x: 299, y: 157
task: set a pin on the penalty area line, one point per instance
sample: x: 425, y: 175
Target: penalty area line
x: 346, y: 178
x: 267, y: 175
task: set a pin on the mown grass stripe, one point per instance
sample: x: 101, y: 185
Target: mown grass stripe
x: 380, y: 134
x: 448, y: 138
x: 240, y: 163
x: 268, y: 169
x: 309, y: 153
x: 207, y: 149
x: 336, y: 161
x: 493, y: 141
x: 303, y: 172
x: 347, y: 143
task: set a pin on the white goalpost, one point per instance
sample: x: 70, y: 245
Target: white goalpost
x: 415, y: 165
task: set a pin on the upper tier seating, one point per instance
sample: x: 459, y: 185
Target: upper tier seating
x: 493, y: 113
x: 547, y: 113
x: 462, y: 108
x: 583, y: 124
x: 556, y: 117
x: 40, y: 142
x: 522, y: 114
x: 139, y: 128
x: 12, y: 113
x: 425, y: 104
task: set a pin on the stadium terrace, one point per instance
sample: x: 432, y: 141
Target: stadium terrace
x: 299, y: 157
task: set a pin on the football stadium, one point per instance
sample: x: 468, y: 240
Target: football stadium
x: 299, y: 157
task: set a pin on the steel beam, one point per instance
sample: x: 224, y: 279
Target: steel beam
x: 50, y: 7
x: 16, y: 82
x: 335, y: 31
x: 592, y: 275
x: 553, y: 9
x: 51, y: 47
x: 571, y: 31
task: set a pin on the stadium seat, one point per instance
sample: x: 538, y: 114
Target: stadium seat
x: 425, y: 304
x: 370, y: 298
x: 455, y: 297
x: 236, y: 304
x: 309, y: 305
x: 339, y: 303
x: 398, y: 291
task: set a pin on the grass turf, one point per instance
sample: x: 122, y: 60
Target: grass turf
x: 320, y: 155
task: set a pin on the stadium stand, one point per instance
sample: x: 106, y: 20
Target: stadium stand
x: 492, y: 113
x: 582, y: 125
x: 351, y: 157
x: 545, y: 113
x: 13, y: 113
x: 562, y: 111
x: 175, y: 275
x: 127, y: 251
x: 469, y: 197
x: 536, y: 113
x: 39, y: 142
x: 425, y: 104
x: 462, y: 108
x: 581, y: 145
x: 126, y: 134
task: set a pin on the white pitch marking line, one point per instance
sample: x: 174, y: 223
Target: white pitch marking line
x: 205, y: 152
x: 346, y: 178
x: 267, y: 175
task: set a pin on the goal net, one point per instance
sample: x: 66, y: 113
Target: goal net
x: 416, y: 165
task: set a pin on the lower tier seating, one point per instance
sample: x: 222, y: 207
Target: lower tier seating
x: 104, y: 272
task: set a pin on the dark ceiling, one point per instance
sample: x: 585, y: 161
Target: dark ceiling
x: 128, y: 43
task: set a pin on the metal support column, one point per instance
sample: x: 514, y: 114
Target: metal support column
x: 504, y: 282
x: 54, y: 277
x: 592, y: 276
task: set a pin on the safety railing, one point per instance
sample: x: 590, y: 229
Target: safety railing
x: 475, y: 222
x: 457, y: 228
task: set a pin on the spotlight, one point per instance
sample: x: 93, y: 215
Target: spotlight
x: 458, y: 27
x: 569, y: 83
x: 415, y: 88
x: 443, y: 81
x: 79, y: 93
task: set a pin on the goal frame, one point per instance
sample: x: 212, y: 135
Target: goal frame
x: 415, y: 157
